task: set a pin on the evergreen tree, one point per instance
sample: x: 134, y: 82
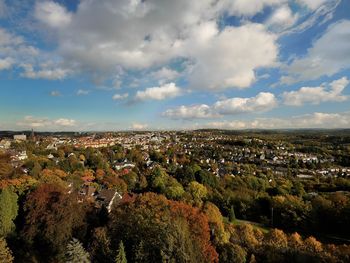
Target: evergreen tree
x: 5, y: 252
x: 139, y: 252
x: 8, y: 211
x: 121, y: 256
x: 76, y: 253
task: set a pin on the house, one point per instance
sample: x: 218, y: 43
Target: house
x: 87, y: 192
x: 120, y: 166
x: 20, y: 137
x: 107, y: 198
x: 5, y: 144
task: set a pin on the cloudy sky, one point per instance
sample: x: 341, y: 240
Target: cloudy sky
x: 164, y: 64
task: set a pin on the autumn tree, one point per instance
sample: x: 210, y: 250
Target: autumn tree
x: 169, y: 230
x: 197, y: 191
x: 100, y: 246
x: 8, y: 211
x: 5, y: 252
x: 232, y: 253
x: 51, y: 217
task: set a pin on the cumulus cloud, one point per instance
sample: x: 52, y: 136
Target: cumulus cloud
x: 249, y: 7
x: 312, y: 4
x: 7, y: 38
x: 166, y: 91
x: 282, y: 18
x: 137, y: 35
x: 139, y: 126
x: 13, y: 48
x: 46, y: 123
x: 44, y: 73
x: 229, y: 58
x: 55, y: 93
x: 120, y: 96
x: 315, y: 95
x: 264, y: 101
x: 324, y: 58
x: 65, y: 122
x: 201, y: 111
x: 6, y: 63
x: 314, y: 120
x: 52, y: 14
x: 165, y: 74
x: 82, y: 92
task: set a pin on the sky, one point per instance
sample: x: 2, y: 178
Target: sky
x: 111, y: 65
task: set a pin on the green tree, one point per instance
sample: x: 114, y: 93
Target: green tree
x: 5, y: 252
x: 197, y: 191
x: 36, y: 170
x: 121, y: 256
x: 76, y: 253
x: 8, y: 211
x: 232, y: 253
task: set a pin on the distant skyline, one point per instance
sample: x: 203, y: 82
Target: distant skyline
x: 111, y: 65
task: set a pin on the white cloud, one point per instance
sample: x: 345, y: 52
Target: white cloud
x: 312, y: 4
x: 316, y: 95
x: 7, y: 38
x: 201, y: 111
x: 120, y: 96
x: 314, y: 120
x: 264, y: 101
x: 166, y: 91
x: 328, y: 55
x: 65, y: 122
x: 139, y: 126
x: 6, y: 63
x: 45, y: 73
x: 52, y: 14
x: 46, y: 123
x: 55, y: 93
x: 229, y: 58
x: 282, y: 18
x: 249, y: 7
x: 165, y: 74
x: 82, y: 92
x: 137, y: 35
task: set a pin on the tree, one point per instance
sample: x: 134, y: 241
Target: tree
x: 76, y: 253
x: 277, y: 239
x: 232, y: 253
x: 197, y: 191
x: 36, y: 170
x: 121, y: 256
x: 99, y: 247
x: 216, y: 224
x: 312, y: 245
x: 8, y: 211
x: 170, y: 230
x: 51, y: 216
x: 5, y: 252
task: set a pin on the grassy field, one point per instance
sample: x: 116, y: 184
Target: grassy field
x: 261, y: 227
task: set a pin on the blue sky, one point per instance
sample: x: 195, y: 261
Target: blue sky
x: 162, y: 64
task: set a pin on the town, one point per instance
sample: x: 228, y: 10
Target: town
x: 296, y: 181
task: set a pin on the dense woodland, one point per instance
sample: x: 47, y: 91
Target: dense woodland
x: 176, y: 210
